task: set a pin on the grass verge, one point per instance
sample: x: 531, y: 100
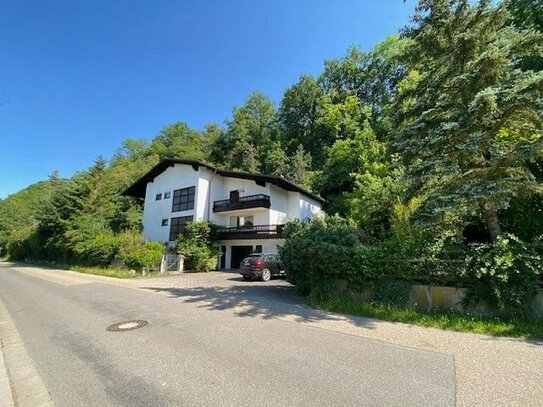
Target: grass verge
x: 514, y: 326
x: 107, y: 272
x: 99, y: 271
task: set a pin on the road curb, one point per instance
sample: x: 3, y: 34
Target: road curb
x: 5, y: 384
x: 27, y: 387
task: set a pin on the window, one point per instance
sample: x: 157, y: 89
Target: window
x: 242, y: 221
x: 167, y: 195
x: 158, y: 197
x: 246, y: 221
x: 177, y: 226
x: 258, y: 248
x: 183, y: 199
x: 164, y: 222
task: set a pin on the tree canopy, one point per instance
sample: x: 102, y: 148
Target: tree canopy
x: 443, y: 118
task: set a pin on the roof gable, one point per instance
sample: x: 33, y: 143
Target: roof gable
x: 137, y: 189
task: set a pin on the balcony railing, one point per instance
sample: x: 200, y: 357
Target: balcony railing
x: 243, y: 202
x: 252, y: 232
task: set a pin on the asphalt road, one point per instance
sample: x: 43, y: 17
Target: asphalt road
x: 198, y: 349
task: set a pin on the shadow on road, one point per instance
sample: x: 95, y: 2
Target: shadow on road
x: 254, y: 299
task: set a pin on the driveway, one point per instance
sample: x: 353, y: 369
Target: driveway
x: 215, y: 339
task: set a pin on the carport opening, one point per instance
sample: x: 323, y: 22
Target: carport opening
x: 238, y: 254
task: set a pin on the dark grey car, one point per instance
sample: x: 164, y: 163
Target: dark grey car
x: 263, y: 266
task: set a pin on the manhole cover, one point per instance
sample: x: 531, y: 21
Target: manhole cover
x: 126, y: 325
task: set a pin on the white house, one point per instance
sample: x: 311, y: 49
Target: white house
x: 252, y: 208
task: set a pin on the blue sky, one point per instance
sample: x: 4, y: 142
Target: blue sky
x: 78, y: 77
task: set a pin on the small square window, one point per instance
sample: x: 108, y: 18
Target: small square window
x: 158, y: 197
x: 167, y: 195
x: 164, y: 222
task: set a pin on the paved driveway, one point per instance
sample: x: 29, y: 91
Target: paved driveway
x: 215, y: 339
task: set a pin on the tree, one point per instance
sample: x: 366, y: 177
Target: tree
x: 179, y: 141
x: 346, y: 160
x: 298, y: 117
x: 254, y: 123
x: 528, y: 14
x: 277, y: 162
x: 473, y: 119
x: 215, y: 143
x: 300, y: 166
x: 372, y: 77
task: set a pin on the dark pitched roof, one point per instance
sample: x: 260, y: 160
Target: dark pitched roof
x: 137, y: 189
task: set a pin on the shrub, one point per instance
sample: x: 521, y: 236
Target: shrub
x: 196, y: 244
x: 100, y: 249
x: 137, y: 253
x: 503, y: 274
x: 407, y: 238
x: 392, y: 291
x: 380, y: 260
x: 24, y: 244
x: 318, y: 251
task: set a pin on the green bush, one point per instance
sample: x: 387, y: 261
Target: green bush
x: 100, y: 249
x: 392, y: 291
x: 196, y: 244
x: 137, y: 253
x: 24, y: 244
x: 503, y: 274
x: 381, y: 260
x: 318, y: 251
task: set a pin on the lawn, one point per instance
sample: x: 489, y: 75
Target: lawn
x: 514, y: 326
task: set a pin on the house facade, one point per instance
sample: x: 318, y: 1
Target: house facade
x: 251, y: 208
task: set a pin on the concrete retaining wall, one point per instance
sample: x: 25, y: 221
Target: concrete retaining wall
x: 430, y: 297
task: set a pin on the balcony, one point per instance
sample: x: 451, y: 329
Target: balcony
x: 243, y: 202
x: 251, y: 232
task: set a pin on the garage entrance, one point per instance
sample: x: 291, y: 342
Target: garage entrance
x: 238, y: 254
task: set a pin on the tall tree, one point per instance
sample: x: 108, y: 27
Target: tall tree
x: 372, y: 77
x: 528, y: 14
x: 346, y: 159
x: 298, y: 117
x: 254, y: 123
x: 472, y: 121
x: 299, y: 167
x: 179, y: 141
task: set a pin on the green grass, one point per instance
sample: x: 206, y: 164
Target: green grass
x: 514, y: 326
x: 107, y: 272
x: 99, y: 271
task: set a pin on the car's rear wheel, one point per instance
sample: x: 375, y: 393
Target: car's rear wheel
x: 266, y: 275
x: 246, y: 277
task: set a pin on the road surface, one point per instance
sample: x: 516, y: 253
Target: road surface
x: 220, y: 342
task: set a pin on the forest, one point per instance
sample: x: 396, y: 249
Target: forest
x: 427, y: 143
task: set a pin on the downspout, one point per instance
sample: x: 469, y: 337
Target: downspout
x: 209, y: 205
x: 209, y: 194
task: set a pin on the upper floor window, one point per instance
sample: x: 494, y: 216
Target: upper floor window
x: 183, y: 199
x: 167, y: 195
x: 246, y: 221
x: 158, y: 197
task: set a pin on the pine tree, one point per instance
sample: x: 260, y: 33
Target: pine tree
x: 471, y: 122
x: 299, y: 166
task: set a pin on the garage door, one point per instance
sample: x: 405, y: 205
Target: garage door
x: 238, y: 254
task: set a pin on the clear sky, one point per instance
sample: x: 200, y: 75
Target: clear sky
x: 77, y: 77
